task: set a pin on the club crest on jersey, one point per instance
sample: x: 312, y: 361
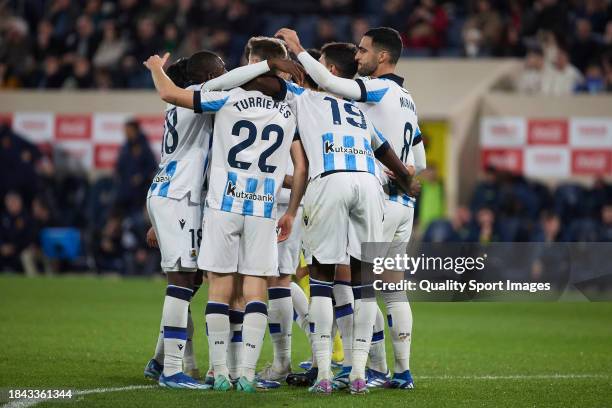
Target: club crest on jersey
x: 232, y: 191
x: 182, y: 223
x: 330, y: 147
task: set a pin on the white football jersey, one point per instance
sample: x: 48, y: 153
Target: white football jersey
x: 335, y: 133
x: 184, y: 154
x: 393, y: 112
x: 250, y: 150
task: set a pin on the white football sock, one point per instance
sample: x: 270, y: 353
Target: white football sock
x: 321, y: 315
x: 365, y: 316
x: 189, y: 360
x: 300, y: 307
x: 234, y: 352
x: 399, y: 318
x: 159, y: 347
x: 343, y: 294
x: 378, y: 354
x: 280, y: 317
x: 218, y: 330
x: 253, y: 332
x: 174, y: 317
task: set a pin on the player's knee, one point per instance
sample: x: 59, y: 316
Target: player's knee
x: 183, y: 279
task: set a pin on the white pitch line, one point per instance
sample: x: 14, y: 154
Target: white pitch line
x: 25, y: 403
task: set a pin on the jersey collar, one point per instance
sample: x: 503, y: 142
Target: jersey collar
x: 395, y: 78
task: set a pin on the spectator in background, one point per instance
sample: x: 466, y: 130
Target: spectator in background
x: 326, y: 32
x: 15, y: 48
x: 550, y: 228
x: 395, y: 14
x: 82, y: 77
x: 484, y: 230
x: 135, y: 167
x: 84, y: 41
x: 483, y: 30
x: 584, y: 49
x: 111, y: 49
x: 359, y: 26
x: 33, y: 256
x: 53, y: 75
x: 15, y: 232
x: 18, y: 162
x: 62, y: 14
x: 529, y: 80
x: 561, y: 77
x: 426, y: 27
x: 594, y: 80
x: 547, y: 15
x: 605, y: 230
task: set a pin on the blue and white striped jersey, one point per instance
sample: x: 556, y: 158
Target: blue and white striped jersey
x: 393, y: 112
x: 184, y: 154
x: 335, y: 133
x: 250, y: 150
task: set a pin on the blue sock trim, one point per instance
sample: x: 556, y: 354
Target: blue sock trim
x: 313, y: 281
x: 339, y: 282
x: 344, y: 310
x: 237, y: 336
x: 378, y: 336
x: 172, y: 332
x: 274, y: 328
x: 256, y: 307
x: 278, y: 293
x: 217, y: 308
x: 236, y: 316
x: 179, y: 292
x: 321, y: 290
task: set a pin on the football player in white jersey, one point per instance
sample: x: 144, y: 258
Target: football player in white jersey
x: 393, y: 111
x: 174, y: 203
x: 251, y: 146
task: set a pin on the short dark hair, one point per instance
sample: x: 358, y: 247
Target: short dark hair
x: 387, y: 39
x: 266, y: 48
x: 195, y: 69
x: 342, y: 55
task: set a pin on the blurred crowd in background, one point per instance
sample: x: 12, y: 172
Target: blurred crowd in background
x: 567, y: 45
x: 108, y: 218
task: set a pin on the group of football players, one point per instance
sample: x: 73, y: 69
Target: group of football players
x: 270, y: 161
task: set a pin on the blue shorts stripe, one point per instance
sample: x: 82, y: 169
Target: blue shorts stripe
x: 256, y: 307
x: 350, y: 161
x: 274, y: 328
x: 344, y: 310
x: 389, y: 320
x: 217, y: 308
x: 179, y: 292
x: 378, y: 336
x: 278, y: 293
x: 228, y: 200
x: 251, y: 187
x: 328, y: 157
x: 295, y: 315
x: 269, y: 189
x: 311, y: 326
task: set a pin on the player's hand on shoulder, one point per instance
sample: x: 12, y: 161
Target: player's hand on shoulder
x: 155, y: 61
x: 152, y: 238
x: 285, y: 224
x: 292, y: 68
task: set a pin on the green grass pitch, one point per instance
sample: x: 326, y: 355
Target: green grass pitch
x: 98, y: 333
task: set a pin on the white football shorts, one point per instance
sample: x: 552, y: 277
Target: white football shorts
x: 177, y: 225
x: 397, y: 227
x: 341, y: 211
x: 238, y: 243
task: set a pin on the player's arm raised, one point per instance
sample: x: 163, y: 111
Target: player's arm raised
x: 253, y: 77
x: 344, y: 87
x: 298, y: 186
x: 166, y: 89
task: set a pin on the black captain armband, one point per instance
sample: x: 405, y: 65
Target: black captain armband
x: 378, y: 153
x: 197, y: 102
